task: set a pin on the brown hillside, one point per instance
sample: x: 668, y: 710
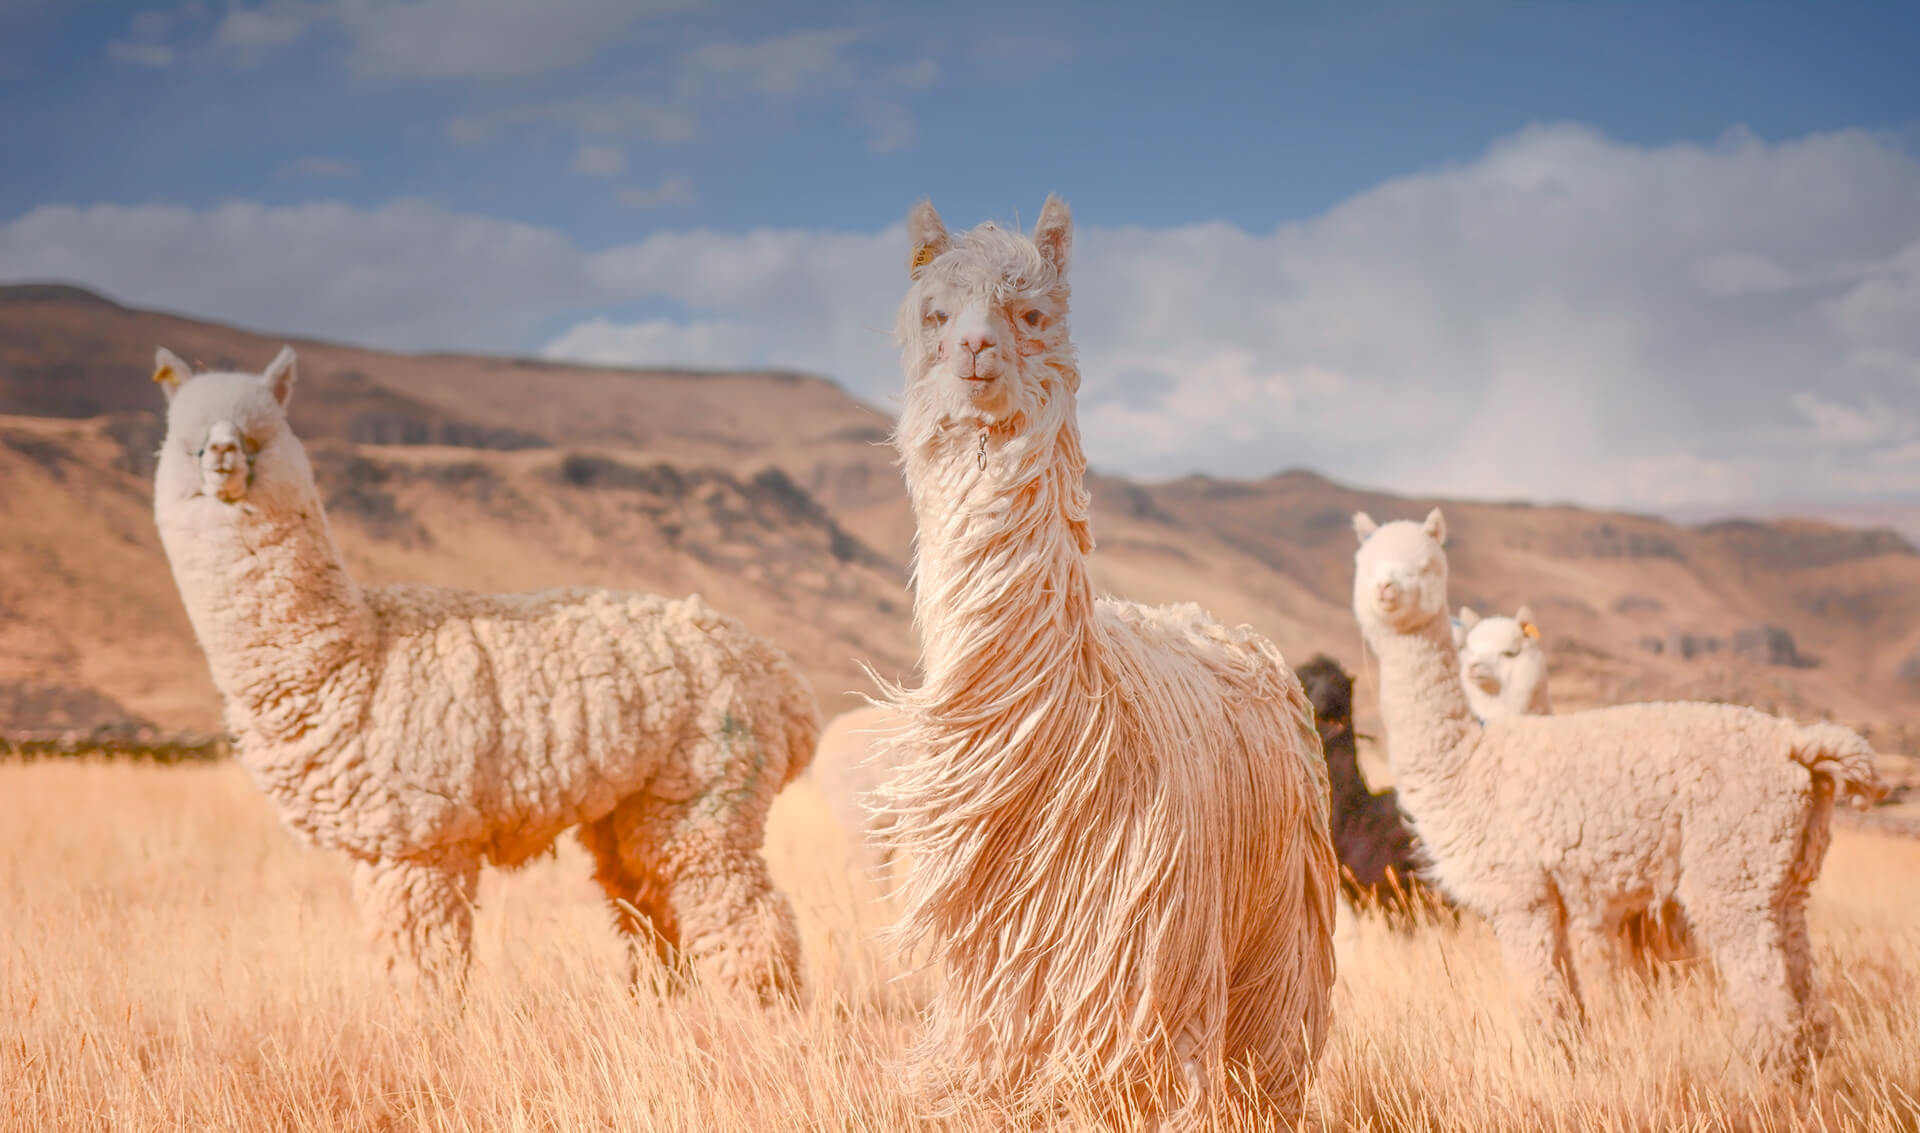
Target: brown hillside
x: 776, y: 496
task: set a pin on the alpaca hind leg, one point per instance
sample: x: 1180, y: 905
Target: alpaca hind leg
x: 727, y: 921
x: 638, y: 894
x: 419, y: 914
x: 1816, y: 1017
x: 1749, y: 948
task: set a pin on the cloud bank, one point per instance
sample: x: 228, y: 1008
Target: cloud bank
x: 1564, y: 317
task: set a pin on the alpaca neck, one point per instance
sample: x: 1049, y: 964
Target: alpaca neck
x: 285, y: 628
x: 1349, y: 788
x: 1002, y: 596
x: 1423, y: 706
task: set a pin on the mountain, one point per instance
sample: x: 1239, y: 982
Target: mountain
x: 776, y: 495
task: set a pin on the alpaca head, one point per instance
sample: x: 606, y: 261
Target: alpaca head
x: 1501, y: 659
x: 983, y: 329
x: 227, y: 436
x: 1399, y: 573
x: 1330, y: 688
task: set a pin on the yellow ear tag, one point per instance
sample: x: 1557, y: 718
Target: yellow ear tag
x: 922, y: 256
x: 163, y: 374
x: 1530, y: 630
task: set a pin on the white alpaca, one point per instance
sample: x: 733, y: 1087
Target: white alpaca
x: 849, y: 764
x: 1552, y: 827
x: 424, y: 731
x: 1117, y: 814
x: 1502, y: 665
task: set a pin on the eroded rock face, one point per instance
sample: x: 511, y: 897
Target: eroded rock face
x: 1770, y: 645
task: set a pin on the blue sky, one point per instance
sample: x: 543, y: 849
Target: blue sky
x: 1313, y: 228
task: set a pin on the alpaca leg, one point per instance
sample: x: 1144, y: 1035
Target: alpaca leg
x: 419, y: 913
x: 633, y: 886
x: 1533, y: 946
x: 1816, y: 1017
x: 1749, y: 947
x: 707, y: 891
x: 1594, y: 941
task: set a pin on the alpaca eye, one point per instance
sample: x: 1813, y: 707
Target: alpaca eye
x: 937, y: 317
x: 1031, y: 318
x: 252, y: 446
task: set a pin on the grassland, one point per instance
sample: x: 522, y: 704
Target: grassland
x: 169, y: 959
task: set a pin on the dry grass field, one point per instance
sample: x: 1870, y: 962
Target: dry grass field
x: 169, y: 959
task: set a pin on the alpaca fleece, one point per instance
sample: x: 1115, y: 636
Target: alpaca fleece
x: 849, y: 764
x: 1380, y: 860
x: 1553, y: 826
x: 1117, y: 815
x: 424, y: 731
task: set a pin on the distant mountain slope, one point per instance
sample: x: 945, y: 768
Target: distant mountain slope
x: 777, y: 496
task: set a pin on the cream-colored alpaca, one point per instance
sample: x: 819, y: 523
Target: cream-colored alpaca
x: 848, y: 765
x: 1552, y: 827
x: 423, y: 731
x: 1117, y: 814
x: 1502, y: 666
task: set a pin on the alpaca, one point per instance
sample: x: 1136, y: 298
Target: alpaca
x: 1503, y: 667
x: 423, y: 731
x: 1552, y: 826
x: 1502, y: 664
x: 846, y: 767
x: 1117, y: 815
x: 1379, y: 859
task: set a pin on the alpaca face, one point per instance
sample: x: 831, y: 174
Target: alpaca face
x: 226, y: 432
x: 983, y: 328
x: 1501, y: 657
x: 1399, y: 573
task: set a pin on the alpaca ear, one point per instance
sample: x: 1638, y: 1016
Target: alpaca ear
x: 1436, y: 526
x: 1363, y: 525
x: 1468, y: 619
x: 279, y: 375
x: 926, y: 235
x: 169, y: 371
x: 1053, y: 232
x: 1527, y: 625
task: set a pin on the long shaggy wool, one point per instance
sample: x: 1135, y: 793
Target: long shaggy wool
x: 1553, y: 827
x: 1117, y: 814
x: 423, y: 731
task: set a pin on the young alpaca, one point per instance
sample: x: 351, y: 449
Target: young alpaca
x: 1379, y: 859
x: 1552, y: 826
x: 1117, y: 814
x: 423, y: 731
x: 1502, y: 665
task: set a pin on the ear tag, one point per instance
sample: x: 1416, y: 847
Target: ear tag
x: 1530, y: 630
x: 163, y: 374
x: 922, y: 256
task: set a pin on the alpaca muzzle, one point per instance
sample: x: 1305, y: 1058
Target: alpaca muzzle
x: 226, y: 466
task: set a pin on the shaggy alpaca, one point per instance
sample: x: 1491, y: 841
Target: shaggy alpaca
x: 1379, y: 861
x: 1552, y: 826
x: 1117, y: 814
x: 847, y: 766
x: 1502, y: 665
x: 423, y: 731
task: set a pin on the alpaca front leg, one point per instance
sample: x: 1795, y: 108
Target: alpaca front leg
x: 418, y: 913
x: 1533, y: 947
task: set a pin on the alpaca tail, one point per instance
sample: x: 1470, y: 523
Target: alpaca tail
x: 1840, y: 756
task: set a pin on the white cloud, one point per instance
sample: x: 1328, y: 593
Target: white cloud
x: 672, y: 190
x: 401, y: 39
x: 1535, y: 322
x: 624, y: 116
x: 599, y: 161
x: 794, y: 65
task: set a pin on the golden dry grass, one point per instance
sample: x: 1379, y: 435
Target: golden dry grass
x: 169, y: 959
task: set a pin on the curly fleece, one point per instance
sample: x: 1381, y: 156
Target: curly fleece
x: 1552, y: 827
x: 424, y: 731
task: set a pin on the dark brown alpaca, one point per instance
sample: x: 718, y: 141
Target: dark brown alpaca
x: 1379, y: 859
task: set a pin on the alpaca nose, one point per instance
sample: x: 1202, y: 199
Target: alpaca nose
x: 1389, y: 592
x: 977, y: 342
